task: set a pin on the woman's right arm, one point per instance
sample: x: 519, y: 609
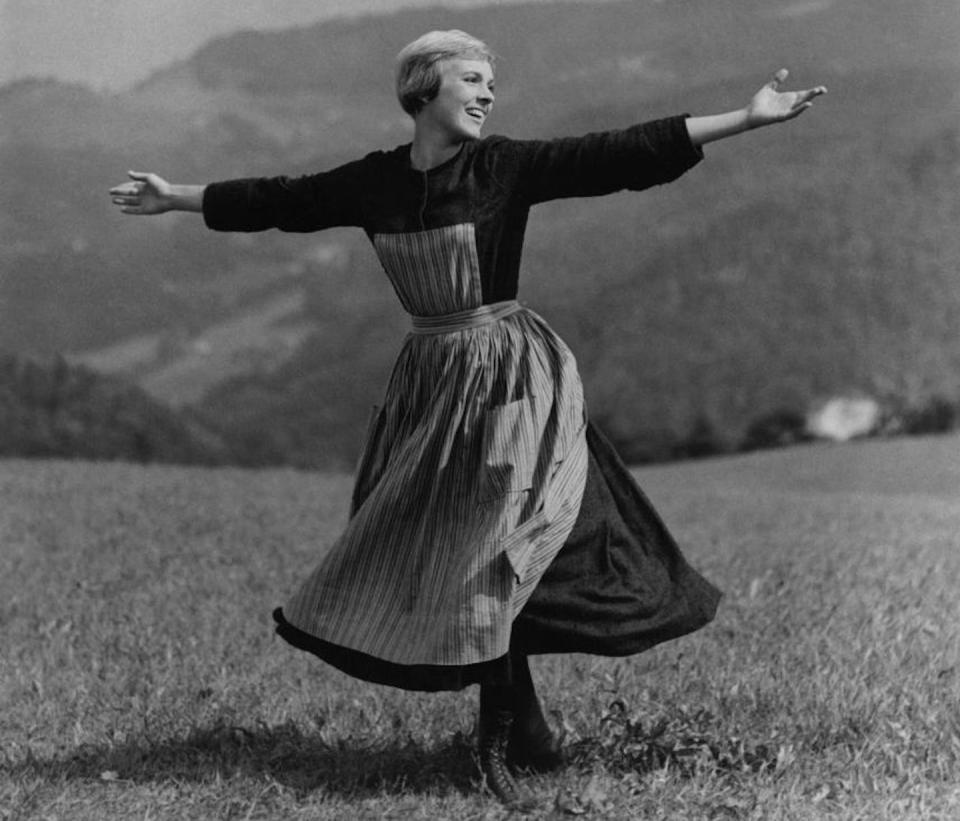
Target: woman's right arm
x: 147, y: 194
x: 308, y: 203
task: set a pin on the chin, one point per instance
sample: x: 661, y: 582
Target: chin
x: 471, y: 131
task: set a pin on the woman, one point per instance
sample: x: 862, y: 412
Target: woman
x: 490, y: 520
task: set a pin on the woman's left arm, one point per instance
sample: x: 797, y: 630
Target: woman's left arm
x: 769, y: 105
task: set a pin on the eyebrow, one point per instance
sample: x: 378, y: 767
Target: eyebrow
x: 475, y: 73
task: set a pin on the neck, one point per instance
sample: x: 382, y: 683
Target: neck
x: 430, y: 150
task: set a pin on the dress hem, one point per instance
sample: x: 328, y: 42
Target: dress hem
x: 422, y: 677
x: 618, y: 587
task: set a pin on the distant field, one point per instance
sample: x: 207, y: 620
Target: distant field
x: 140, y: 678
x: 180, y: 371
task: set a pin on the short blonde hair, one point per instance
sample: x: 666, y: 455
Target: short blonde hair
x: 418, y: 72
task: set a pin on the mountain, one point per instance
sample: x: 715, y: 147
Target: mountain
x: 807, y: 260
x: 112, y: 45
x: 52, y: 409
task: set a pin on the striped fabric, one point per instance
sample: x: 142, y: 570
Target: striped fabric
x: 464, y: 320
x: 434, y: 272
x: 470, y: 478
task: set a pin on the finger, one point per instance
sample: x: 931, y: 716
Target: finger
x: 797, y: 111
x: 140, y: 176
x: 810, y: 94
x: 778, y: 78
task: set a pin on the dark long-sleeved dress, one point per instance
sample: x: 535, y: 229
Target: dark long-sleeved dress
x: 488, y: 514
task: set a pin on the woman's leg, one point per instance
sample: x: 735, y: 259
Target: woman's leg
x: 497, y: 714
x: 533, y: 745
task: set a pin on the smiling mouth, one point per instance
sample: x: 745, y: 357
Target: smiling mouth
x: 477, y: 114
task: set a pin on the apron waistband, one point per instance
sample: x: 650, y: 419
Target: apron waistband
x: 464, y: 320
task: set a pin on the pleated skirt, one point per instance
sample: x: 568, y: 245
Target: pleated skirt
x: 618, y: 586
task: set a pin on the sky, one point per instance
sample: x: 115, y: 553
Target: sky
x: 112, y: 44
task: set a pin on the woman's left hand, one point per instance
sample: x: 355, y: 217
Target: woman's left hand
x: 770, y: 105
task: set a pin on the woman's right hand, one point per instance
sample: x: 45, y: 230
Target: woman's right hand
x: 145, y: 194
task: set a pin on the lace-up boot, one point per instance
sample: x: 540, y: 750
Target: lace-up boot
x: 496, y: 719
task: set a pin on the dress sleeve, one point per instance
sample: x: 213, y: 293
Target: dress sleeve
x: 632, y: 158
x: 301, y: 204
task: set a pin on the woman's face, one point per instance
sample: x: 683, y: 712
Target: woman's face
x: 463, y: 102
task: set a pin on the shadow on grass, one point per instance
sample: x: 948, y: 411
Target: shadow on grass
x: 357, y: 767
x: 283, y: 753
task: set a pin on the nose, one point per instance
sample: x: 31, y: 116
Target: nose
x: 485, y: 96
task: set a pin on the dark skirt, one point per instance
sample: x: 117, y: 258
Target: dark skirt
x: 618, y: 586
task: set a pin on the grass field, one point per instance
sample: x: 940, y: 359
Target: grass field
x: 140, y: 678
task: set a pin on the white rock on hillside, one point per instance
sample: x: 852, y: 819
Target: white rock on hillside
x: 844, y: 418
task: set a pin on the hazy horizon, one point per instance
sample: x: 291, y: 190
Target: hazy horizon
x: 111, y: 46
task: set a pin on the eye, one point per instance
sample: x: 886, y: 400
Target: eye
x: 478, y: 79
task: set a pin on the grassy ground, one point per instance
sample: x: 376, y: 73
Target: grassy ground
x: 139, y: 676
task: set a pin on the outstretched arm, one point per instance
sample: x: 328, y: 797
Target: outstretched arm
x: 769, y: 105
x: 307, y: 203
x: 150, y: 194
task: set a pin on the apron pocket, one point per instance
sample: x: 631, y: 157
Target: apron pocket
x: 509, y: 448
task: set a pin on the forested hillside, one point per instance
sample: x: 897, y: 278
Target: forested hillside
x: 51, y: 409
x: 794, y: 263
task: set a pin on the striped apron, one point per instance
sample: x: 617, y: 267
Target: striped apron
x: 470, y: 478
